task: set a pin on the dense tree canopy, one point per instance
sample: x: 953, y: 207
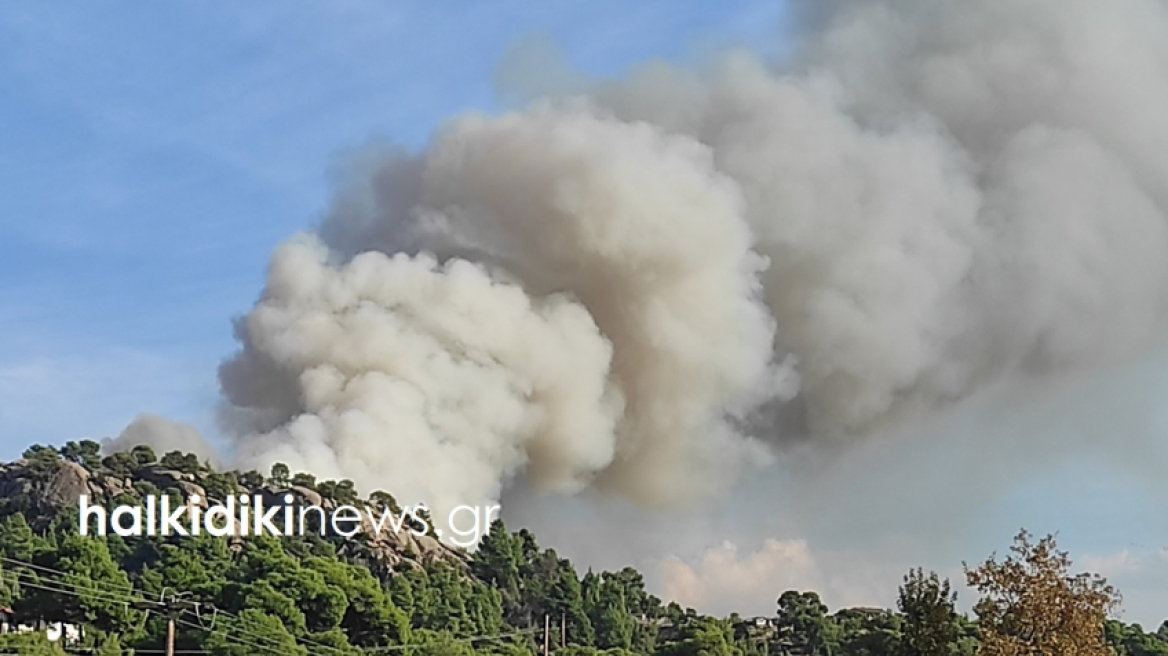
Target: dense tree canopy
x: 329, y: 594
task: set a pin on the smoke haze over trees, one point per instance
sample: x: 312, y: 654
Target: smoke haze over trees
x: 654, y: 286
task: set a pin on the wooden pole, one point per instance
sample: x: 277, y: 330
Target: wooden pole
x: 563, y: 630
x: 170, y: 636
x: 547, y: 627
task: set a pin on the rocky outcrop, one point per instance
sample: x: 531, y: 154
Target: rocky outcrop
x: 46, y: 485
x: 66, y: 486
x: 114, y: 486
x: 191, y: 491
x: 26, y: 485
x: 309, y: 497
x: 15, y: 483
x: 162, y: 477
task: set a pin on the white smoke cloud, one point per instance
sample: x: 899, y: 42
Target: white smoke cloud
x: 632, y: 287
x: 590, y: 312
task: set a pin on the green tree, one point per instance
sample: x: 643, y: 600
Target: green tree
x: 252, y: 479
x: 188, y: 463
x: 143, y: 455
x: 17, y: 541
x: 109, y: 646
x: 927, y: 603
x: 335, y: 642
x: 220, y: 486
x: 43, y: 461
x: 703, y: 637
x: 304, y: 479
x: 98, y: 590
x: 498, y: 562
x: 867, y: 632
x: 120, y: 464
x: 40, y: 452
x: 234, y: 636
x: 342, y: 491
x: 401, y: 592
x: 279, y: 474
x: 438, y: 643
x: 86, y: 453
x: 612, y: 622
x: 195, y: 564
x: 368, y: 614
x: 30, y: 643
x: 803, y: 617
x: 1131, y: 640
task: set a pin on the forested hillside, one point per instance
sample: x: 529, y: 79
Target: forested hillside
x: 409, y: 594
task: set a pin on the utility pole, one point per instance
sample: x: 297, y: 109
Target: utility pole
x: 563, y: 630
x: 547, y: 627
x: 173, y: 607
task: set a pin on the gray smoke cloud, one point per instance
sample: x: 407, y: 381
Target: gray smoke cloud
x: 163, y: 436
x: 647, y: 286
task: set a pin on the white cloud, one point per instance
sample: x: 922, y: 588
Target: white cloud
x: 1140, y: 574
x: 1117, y: 564
x: 724, y: 579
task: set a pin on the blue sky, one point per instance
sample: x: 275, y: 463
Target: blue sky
x: 152, y: 154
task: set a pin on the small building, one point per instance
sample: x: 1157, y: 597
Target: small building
x: 67, y: 634
x: 755, y: 629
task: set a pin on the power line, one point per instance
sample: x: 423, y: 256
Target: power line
x: 127, y: 600
x: 58, y: 572
x: 472, y: 639
x: 140, y: 651
x: 239, y: 629
x: 230, y: 639
x: 240, y: 619
x: 101, y: 597
x: 119, y: 595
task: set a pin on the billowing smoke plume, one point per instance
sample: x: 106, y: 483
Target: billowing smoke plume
x: 563, y: 294
x: 636, y: 287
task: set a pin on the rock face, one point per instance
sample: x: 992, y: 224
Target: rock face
x: 115, y: 486
x: 190, y: 490
x: 162, y: 477
x: 13, y: 485
x: 66, y: 486
x: 309, y: 496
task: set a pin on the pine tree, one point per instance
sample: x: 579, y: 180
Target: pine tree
x: 927, y: 603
